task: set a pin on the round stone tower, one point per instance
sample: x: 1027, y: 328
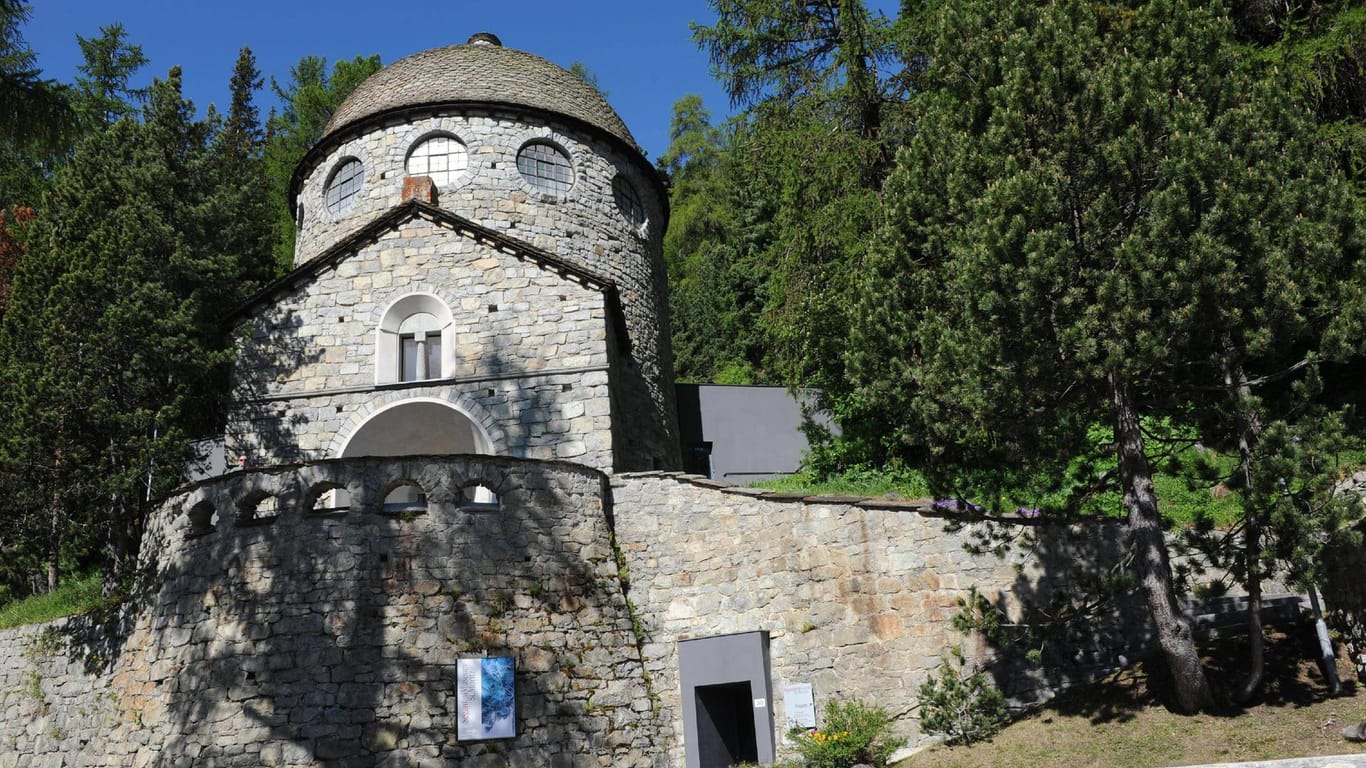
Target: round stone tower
x: 512, y: 157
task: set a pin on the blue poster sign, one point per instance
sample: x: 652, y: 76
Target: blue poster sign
x: 485, y: 696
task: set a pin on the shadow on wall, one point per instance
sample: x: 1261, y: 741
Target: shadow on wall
x: 333, y: 636
x: 1072, y: 616
x: 1344, y: 592
x: 259, y: 427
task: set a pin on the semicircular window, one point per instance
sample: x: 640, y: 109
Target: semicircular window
x: 628, y: 200
x: 545, y: 167
x: 343, y: 187
x: 441, y: 158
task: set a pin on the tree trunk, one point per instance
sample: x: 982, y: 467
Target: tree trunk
x: 121, y: 543
x: 1151, y: 562
x: 1249, y: 426
x: 54, y: 549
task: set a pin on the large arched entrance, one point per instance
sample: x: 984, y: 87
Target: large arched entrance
x: 415, y: 428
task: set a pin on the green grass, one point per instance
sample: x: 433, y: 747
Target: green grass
x: 1180, y: 503
x: 869, y: 483
x: 76, y: 595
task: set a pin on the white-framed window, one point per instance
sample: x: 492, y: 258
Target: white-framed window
x: 343, y: 186
x: 414, y: 341
x: 441, y: 157
x: 419, y: 347
x: 545, y: 167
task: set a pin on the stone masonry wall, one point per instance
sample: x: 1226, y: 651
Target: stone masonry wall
x: 583, y: 226
x: 530, y: 347
x: 857, y: 595
x: 304, y: 639
x: 1343, y: 589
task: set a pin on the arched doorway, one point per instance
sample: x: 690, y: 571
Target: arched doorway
x: 415, y: 428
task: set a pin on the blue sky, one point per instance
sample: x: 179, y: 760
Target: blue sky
x: 641, y: 50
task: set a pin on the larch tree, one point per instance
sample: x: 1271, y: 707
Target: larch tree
x: 806, y: 159
x: 31, y: 107
x: 712, y: 304
x: 103, y: 94
x: 307, y: 103
x: 1101, y: 213
x: 36, y: 118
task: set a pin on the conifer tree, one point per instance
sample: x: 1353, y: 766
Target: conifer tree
x: 11, y: 248
x: 103, y: 95
x: 113, y: 347
x: 1101, y: 214
x: 807, y: 160
x: 31, y: 107
x: 712, y: 306
x: 35, y: 114
x: 307, y: 103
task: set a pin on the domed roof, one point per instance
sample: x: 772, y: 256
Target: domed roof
x: 481, y: 71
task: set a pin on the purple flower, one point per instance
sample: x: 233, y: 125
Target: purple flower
x: 957, y: 505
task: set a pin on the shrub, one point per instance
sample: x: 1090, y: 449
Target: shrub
x: 964, y: 709
x: 852, y: 733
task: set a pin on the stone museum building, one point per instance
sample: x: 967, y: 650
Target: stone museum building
x: 478, y: 269
x: 453, y: 529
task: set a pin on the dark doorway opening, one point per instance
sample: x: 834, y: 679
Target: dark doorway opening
x: 725, y: 725
x: 726, y: 692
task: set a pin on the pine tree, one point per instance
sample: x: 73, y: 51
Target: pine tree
x: 1101, y: 214
x: 113, y: 345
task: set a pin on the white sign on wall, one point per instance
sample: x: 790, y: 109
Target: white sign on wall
x: 799, y: 706
x: 485, y: 696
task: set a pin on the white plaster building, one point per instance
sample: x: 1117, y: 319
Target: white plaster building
x: 478, y: 270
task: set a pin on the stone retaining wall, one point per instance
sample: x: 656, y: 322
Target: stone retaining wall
x: 271, y: 632
x: 857, y: 595
x: 293, y: 638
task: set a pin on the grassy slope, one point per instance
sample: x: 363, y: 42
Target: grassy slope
x: 1121, y: 723
x: 75, y: 595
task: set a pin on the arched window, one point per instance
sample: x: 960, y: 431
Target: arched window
x: 414, y: 341
x: 343, y: 186
x: 442, y: 158
x: 419, y: 347
x: 406, y: 498
x: 545, y: 167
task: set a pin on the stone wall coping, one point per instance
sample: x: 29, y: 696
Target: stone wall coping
x: 620, y: 479
x: 242, y: 477
x: 890, y: 503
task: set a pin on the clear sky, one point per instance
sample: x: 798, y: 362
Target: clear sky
x: 641, y: 51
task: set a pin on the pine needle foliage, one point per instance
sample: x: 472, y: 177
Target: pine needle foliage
x: 1103, y: 222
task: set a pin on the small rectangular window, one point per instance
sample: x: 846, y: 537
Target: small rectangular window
x: 434, y: 356
x: 407, y: 365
